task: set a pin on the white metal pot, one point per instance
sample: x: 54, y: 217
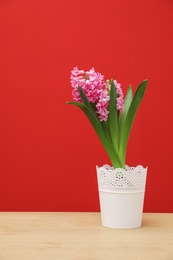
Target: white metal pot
x: 121, y: 194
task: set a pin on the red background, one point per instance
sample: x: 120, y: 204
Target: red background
x: 48, y: 149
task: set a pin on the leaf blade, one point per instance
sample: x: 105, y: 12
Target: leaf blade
x: 127, y: 102
x: 136, y: 101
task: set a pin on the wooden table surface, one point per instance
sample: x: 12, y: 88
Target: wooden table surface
x: 80, y: 236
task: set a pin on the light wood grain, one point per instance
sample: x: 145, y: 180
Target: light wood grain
x: 80, y: 236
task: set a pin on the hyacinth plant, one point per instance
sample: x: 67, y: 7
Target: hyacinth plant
x: 111, y: 115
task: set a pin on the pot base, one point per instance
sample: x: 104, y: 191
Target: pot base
x: 121, y: 210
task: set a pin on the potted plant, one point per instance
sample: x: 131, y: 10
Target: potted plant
x: 121, y: 188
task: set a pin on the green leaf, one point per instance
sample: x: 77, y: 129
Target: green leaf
x: 113, y: 117
x: 101, y: 134
x: 127, y: 102
x: 105, y: 127
x: 129, y: 119
x: 84, y: 98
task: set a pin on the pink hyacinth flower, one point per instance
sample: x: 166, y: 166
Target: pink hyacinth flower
x: 96, y: 90
x: 94, y: 87
x: 120, y: 99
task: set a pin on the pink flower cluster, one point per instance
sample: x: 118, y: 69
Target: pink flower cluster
x: 120, y: 98
x: 95, y: 89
